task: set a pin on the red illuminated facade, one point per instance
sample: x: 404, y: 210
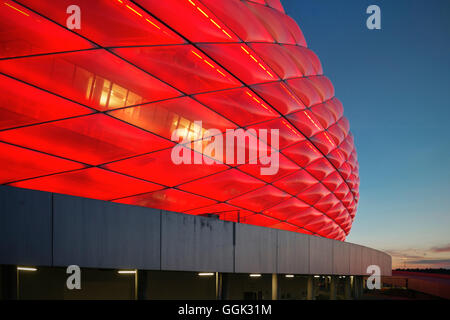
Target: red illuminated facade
x: 90, y: 112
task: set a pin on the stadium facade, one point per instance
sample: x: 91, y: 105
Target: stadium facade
x: 91, y: 95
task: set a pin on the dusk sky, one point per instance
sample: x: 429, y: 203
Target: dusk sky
x: 395, y: 87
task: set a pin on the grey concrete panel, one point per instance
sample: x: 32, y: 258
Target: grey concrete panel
x: 385, y: 263
x: 256, y: 249
x: 101, y: 234
x: 341, y: 258
x: 320, y: 255
x: 377, y: 259
x: 367, y: 259
x: 293, y: 253
x: 356, y: 260
x: 25, y: 226
x: 193, y: 243
x: 388, y: 271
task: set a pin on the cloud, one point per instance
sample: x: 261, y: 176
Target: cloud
x: 445, y: 248
x: 404, y: 254
x: 431, y: 261
x: 436, y: 257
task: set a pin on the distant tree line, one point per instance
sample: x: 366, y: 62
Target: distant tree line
x: 428, y: 270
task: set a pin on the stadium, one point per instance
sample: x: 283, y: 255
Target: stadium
x: 89, y: 109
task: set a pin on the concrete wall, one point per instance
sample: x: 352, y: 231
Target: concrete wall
x: 190, y: 243
x: 255, y: 250
x: 321, y: 255
x: 293, y: 253
x: 45, y: 229
x: 25, y: 226
x: 96, y: 235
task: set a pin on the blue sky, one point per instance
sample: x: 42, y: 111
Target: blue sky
x: 395, y: 87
